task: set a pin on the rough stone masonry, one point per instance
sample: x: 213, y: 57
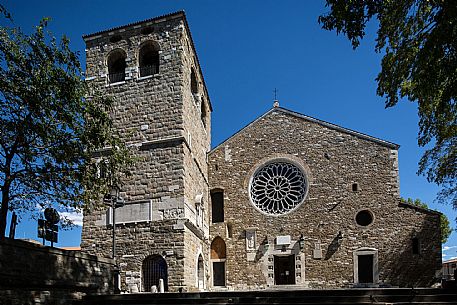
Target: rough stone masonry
x: 289, y: 200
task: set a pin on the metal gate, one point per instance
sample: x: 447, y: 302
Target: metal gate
x: 154, y: 269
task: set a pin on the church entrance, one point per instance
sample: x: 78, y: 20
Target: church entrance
x: 284, y: 270
x: 365, y: 268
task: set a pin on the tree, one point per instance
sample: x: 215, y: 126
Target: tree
x: 419, y: 42
x: 52, y: 124
x: 446, y: 230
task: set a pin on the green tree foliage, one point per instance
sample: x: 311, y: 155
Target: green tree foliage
x: 49, y: 130
x: 419, y: 42
x: 446, y: 229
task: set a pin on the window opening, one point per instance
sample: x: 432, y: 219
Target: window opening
x: 149, y: 60
x: 193, y: 82
x: 364, y: 218
x: 203, y: 113
x: 116, y: 66
x: 217, y: 206
x: 355, y: 187
x: 229, y: 230
x: 415, y: 245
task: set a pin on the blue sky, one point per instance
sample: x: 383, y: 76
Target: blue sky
x: 246, y: 50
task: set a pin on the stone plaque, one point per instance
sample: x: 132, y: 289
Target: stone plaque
x: 283, y: 240
x: 250, y: 239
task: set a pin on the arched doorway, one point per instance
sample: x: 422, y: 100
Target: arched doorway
x: 218, y: 257
x: 200, y: 273
x: 154, y: 269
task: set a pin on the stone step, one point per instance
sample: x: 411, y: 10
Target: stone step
x: 301, y: 297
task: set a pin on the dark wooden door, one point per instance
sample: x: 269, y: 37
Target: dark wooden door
x: 219, y: 273
x: 365, y: 268
x: 284, y: 270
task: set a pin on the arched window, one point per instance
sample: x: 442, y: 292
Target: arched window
x: 193, y: 82
x: 149, y: 59
x: 154, y: 269
x: 116, y: 66
x: 218, y: 256
x: 200, y: 273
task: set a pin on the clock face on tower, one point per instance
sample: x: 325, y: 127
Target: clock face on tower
x: 278, y: 188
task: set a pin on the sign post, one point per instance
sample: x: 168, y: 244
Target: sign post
x: 48, y: 229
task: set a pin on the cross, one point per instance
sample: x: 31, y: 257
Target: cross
x: 275, y: 92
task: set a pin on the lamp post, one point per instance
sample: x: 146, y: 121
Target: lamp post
x: 115, y: 201
x: 301, y: 242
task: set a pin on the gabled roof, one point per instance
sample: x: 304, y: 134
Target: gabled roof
x: 419, y: 209
x: 317, y: 121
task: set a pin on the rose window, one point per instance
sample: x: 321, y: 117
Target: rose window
x: 278, y: 188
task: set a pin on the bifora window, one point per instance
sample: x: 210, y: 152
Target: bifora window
x: 278, y: 188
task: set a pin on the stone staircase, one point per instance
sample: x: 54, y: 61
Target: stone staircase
x: 362, y: 296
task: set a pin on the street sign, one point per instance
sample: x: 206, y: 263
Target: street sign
x: 47, y: 231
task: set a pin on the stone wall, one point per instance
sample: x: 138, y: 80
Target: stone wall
x: 333, y: 159
x: 160, y: 119
x: 34, y: 274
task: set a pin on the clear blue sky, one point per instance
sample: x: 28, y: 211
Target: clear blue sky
x: 248, y: 48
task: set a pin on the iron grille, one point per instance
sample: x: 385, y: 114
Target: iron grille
x: 154, y: 269
x: 117, y: 77
x: 148, y: 70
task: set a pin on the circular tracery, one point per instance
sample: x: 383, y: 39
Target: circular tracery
x: 278, y: 188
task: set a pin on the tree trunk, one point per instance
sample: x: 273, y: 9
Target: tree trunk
x: 4, y: 210
x: 5, y: 196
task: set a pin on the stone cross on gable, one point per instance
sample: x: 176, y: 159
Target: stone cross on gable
x: 275, y: 102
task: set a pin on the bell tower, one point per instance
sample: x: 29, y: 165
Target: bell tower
x: 163, y: 113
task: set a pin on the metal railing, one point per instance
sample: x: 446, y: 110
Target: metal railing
x: 154, y: 269
x: 148, y: 70
x: 116, y: 77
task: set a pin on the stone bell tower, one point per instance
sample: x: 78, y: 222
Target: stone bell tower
x: 162, y: 111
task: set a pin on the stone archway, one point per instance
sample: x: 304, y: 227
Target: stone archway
x: 218, y: 257
x: 154, y: 269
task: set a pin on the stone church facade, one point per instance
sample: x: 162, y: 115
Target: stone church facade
x: 289, y: 200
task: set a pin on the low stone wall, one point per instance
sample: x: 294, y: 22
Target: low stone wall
x: 34, y: 274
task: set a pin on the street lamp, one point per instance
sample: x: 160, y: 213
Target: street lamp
x: 115, y: 201
x: 301, y: 242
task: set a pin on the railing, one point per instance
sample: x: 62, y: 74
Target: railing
x: 117, y: 77
x: 148, y: 70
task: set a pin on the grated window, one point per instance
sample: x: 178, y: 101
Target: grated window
x: 154, y: 269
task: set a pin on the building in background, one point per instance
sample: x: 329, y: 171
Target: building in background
x: 449, y: 268
x: 288, y: 200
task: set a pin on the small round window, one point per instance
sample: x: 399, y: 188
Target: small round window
x: 278, y: 188
x: 364, y: 218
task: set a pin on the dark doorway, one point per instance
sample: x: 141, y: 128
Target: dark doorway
x: 200, y: 273
x: 284, y: 270
x: 154, y: 269
x: 365, y: 268
x: 219, y: 273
